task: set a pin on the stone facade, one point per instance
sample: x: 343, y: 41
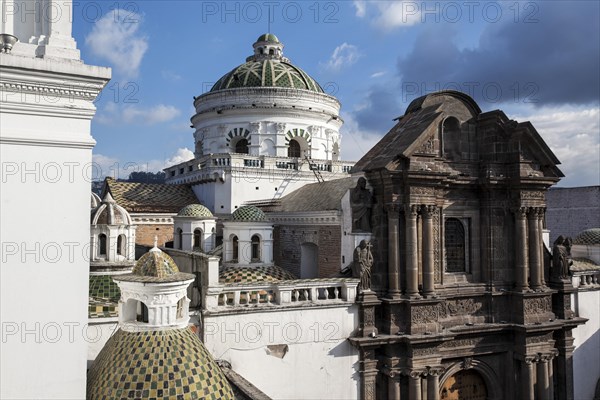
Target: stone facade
x: 463, y: 295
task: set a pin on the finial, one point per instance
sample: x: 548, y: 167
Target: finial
x: 155, y: 248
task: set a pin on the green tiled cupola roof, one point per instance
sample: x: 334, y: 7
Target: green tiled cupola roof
x: 588, y: 237
x: 268, y: 37
x: 155, y: 263
x: 169, y: 364
x: 267, y: 68
x: 195, y: 210
x: 249, y: 214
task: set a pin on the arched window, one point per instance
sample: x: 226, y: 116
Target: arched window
x: 180, y: 304
x: 255, y: 241
x: 241, y: 146
x: 142, y: 312
x: 294, y: 149
x: 179, y: 239
x: 455, y: 246
x: 121, y: 245
x: 451, y: 137
x: 102, y: 244
x: 271, y: 51
x: 234, y: 243
x: 197, y: 239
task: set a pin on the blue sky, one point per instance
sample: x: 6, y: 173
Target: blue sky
x: 537, y: 61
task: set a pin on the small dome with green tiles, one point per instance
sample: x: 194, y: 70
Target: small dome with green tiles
x: 249, y: 214
x: 267, y: 68
x: 155, y: 263
x: 588, y: 237
x: 195, y: 210
x: 166, y: 364
x: 268, y: 37
x: 270, y: 273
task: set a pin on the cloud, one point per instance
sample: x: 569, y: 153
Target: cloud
x: 380, y: 107
x: 136, y: 115
x: 387, y: 15
x: 573, y: 134
x: 542, y: 63
x: 343, y: 56
x: 109, y: 166
x: 170, y: 75
x: 115, y: 38
x: 181, y: 155
x: 356, y: 141
x: 378, y: 74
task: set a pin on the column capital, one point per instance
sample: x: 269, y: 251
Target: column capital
x: 393, y: 208
x: 411, y: 210
x: 428, y: 211
x: 520, y: 212
x: 435, y: 371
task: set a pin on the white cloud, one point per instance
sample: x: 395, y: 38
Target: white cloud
x: 378, y: 74
x: 113, y: 167
x: 170, y: 75
x: 388, y: 15
x: 136, y: 115
x: 344, y: 55
x: 356, y: 142
x: 573, y: 134
x: 115, y: 38
x: 361, y: 8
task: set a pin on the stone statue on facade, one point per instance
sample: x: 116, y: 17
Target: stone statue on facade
x: 561, y: 257
x: 361, y: 268
x: 361, y: 202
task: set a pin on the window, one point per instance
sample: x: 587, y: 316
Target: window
x: 142, y: 312
x: 180, y: 304
x: 255, y: 241
x: 198, y: 239
x: 102, y: 244
x: 121, y: 245
x: 242, y: 146
x: 294, y: 148
x: 451, y: 138
x: 234, y: 242
x: 455, y: 245
x: 179, y: 239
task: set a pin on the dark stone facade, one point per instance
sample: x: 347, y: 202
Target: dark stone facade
x: 463, y: 294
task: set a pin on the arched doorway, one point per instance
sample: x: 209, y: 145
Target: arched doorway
x: 465, y: 384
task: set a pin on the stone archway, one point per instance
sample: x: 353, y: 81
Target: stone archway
x: 470, y: 379
x: 465, y: 384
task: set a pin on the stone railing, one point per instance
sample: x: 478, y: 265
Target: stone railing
x: 291, y: 293
x: 587, y: 279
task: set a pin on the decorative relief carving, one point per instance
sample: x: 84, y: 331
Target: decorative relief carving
x: 467, y: 363
x: 463, y: 306
x: 369, y: 316
x: 428, y: 146
x: 423, y: 314
x: 280, y: 126
x: 532, y: 195
x: 254, y: 127
x: 424, y: 351
x: 538, y: 305
x: 437, y: 266
x: 370, y: 390
x: 472, y: 342
x: 539, y: 338
x: 424, y: 191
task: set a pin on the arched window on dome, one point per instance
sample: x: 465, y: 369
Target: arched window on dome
x: 255, y: 247
x: 241, y: 146
x: 122, y: 245
x: 179, y: 239
x: 272, y: 51
x: 102, y: 245
x: 180, y: 305
x: 197, y: 239
x: 234, y: 248
x: 294, y: 149
x: 142, y: 312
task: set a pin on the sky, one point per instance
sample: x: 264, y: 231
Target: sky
x: 535, y: 60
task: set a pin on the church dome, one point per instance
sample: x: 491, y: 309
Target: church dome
x: 164, y: 364
x: 267, y: 68
x: 588, y: 237
x: 156, y: 264
x: 249, y: 214
x: 195, y: 210
x: 110, y: 213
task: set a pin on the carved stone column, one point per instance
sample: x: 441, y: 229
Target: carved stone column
x: 521, y: 248
x: 369, y: 374
x: 433, y: 383
x: 540, y: 215
x: 412, y: 261
x: 393, y: 386
x: 414, y: 385
x: 564, y: 366
x: 551, y: 357
x: 534, y: 249
x: 393, y: 211
x: 527, y: 376
x: 428, y: 272
x: 542, y: 377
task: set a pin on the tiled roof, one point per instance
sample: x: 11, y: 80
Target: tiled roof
x: 104, y: 297
x: 271, y: 273
x: 584, y: 264
x: 249, y: 214
x: 168, y: 364
x: 150, y: 197
x: 195, y: 210
x: 588, y: 237
x: 320, y: 196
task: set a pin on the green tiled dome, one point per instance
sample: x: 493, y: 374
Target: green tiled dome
x: 271, y: 273
x: 195, y: 210
x: 155, y: 263
x: 268, y: 37
x: 104, y: 296
x: 169, y: 364
x: 249, y: 214
x: 588, y: 237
